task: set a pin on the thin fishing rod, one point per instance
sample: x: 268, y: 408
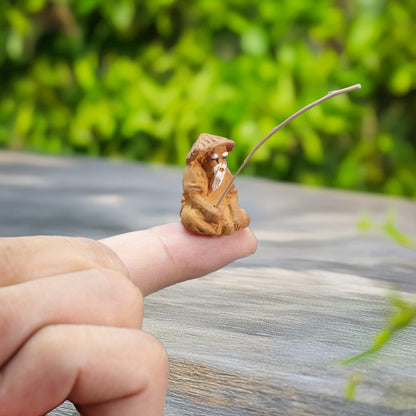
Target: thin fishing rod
x: 281, y: 125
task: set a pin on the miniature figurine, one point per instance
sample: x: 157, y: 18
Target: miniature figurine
x: 209, y: 199
x: 205, y: 179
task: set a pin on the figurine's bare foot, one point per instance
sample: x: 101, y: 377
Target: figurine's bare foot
x: 242, y: 221
x: 228, y: 228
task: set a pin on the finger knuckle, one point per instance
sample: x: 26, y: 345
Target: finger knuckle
x: 7, y: 259
x: 93, y: 254
x: 10, y: 315
x: 6, y: 323
x: 157, y: 358
x: 121, y: 297
x: 45, y: 344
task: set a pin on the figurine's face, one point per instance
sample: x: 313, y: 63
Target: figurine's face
x: 215, y: 163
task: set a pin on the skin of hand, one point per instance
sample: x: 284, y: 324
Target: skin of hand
x: 71, y: 313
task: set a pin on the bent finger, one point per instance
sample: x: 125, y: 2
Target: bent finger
x: 104, y: 371
x: 27, y: 258
x: 96, y: 297
x: 168, y: 254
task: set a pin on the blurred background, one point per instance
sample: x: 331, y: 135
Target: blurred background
x: 141, y: 79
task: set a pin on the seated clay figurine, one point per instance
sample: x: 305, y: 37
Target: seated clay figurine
x: 209, y: 201
x: 205, y: 179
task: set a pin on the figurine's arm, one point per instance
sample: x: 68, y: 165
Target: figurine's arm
x: 206, y: 208
x: 195, y: 189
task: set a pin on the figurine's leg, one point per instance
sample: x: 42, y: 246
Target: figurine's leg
x: 238, y: 218
x: 193, y: 221
x: 228, y: 228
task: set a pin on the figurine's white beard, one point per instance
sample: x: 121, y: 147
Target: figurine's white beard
x: 219, y: 173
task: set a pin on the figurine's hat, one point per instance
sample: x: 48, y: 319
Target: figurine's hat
x: 207, y: 142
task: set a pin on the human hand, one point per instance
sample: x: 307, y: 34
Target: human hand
x: 71, y: 312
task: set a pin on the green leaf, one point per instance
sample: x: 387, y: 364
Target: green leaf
x: 18, y: 20
x: 353, y: 381
x: 14, y: 45
x: 403, y: 79
x: 403, y: 315
x: 365, y: 223
x: 84, y: 69
x: 312, y: 145
x: 122, y: 14
x: 254, y: 41
x: 391, y: 230
x: 24, y: 119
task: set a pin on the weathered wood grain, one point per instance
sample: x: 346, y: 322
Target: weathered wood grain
x: 263, y: 336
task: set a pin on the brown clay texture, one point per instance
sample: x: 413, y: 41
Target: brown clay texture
x: 205, y: 178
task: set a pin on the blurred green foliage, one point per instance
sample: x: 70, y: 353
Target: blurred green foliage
x: 141, y: 79
x: 353, y: 381
x: 403, y: 316
x: 389, y: 228
x: 403, y: 311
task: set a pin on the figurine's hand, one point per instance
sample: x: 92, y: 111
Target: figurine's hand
x: 214, y: 215
x: 71, y: 310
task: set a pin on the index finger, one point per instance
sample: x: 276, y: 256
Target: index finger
x: 168, y: 254
x: 34, y: 257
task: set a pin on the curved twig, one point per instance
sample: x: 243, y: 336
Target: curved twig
x: 281, y: 125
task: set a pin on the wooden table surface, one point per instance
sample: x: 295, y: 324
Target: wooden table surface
x: 265, y: 335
